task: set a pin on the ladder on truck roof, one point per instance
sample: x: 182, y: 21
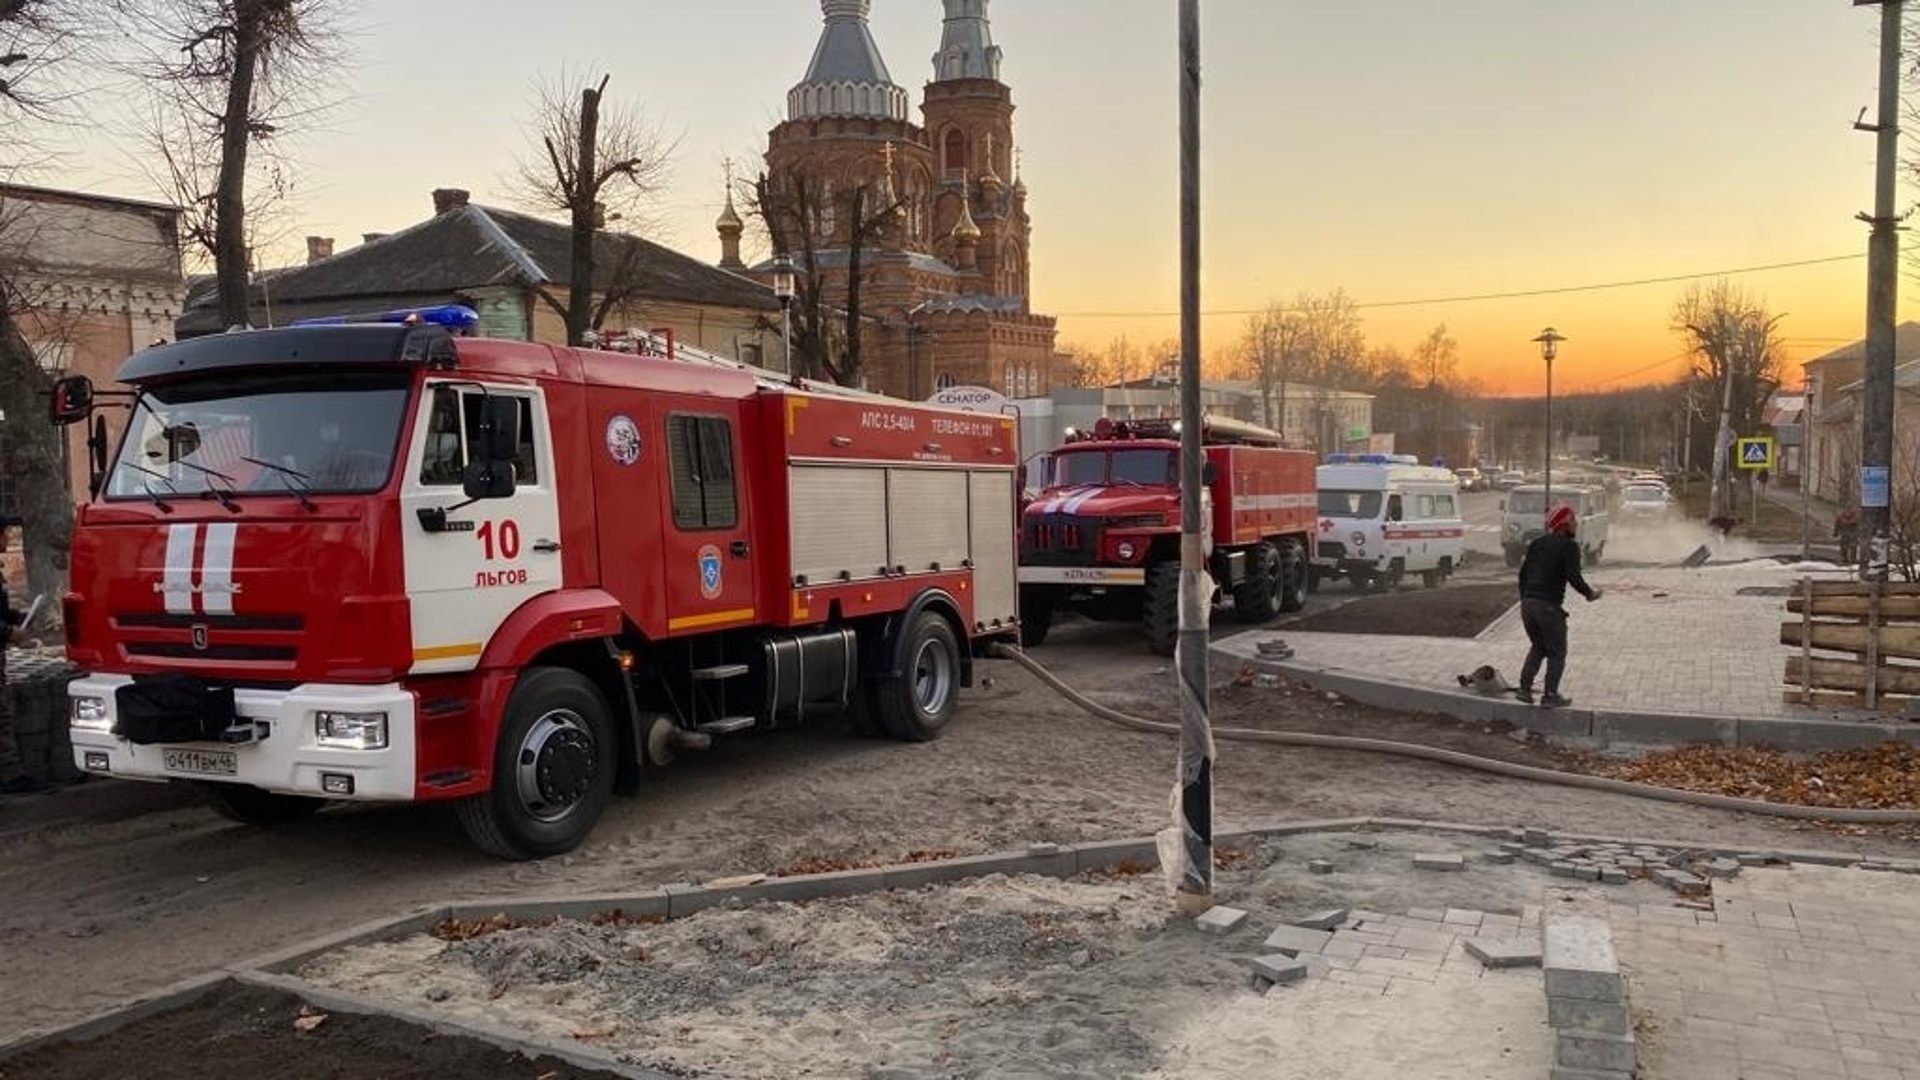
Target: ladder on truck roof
x: 660, y: 343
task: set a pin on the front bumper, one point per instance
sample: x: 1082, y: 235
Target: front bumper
x: 287, y: 760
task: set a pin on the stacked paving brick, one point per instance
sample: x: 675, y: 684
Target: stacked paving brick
x: 1616, y: 863
x: 37, y: 686
x: 1586, y: 1000
x: 1373, y: 950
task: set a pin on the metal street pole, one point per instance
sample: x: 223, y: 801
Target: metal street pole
x: 1549, y: 342
x: 1719, y: 502
x: 1883, y: 277
x: 1194, y: 819
x: 1806, y: 471
x: 786, y: 340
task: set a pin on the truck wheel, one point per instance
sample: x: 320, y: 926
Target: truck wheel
x: 552, y: 769
x: 1294, y: 575
x: 915, y: 706
x: 1036, y: 618
x: 1257, y: 600
x: 249, y: 805
x: 1160, y: 614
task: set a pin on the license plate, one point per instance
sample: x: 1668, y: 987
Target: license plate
x: 204, y: 762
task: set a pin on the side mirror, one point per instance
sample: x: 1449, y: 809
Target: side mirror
x: 489, y: 474
x: 72, y: 400
x: 97, y: 455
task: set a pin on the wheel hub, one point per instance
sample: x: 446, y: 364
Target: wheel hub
x: 932, y: 677
x: 557, y: 763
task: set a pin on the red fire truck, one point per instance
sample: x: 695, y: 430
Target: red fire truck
x: 1102, y: 535
x: 382, y: 561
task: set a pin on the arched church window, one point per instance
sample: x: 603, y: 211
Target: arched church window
x: 955, y: 158
x: 945, y: 381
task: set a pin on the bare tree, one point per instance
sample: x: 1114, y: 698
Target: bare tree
x: 806, y: 217
x: 596, y: 163
x: 229, y: 78
x: 1737, y: 357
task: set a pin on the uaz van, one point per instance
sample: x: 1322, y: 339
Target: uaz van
x: 1523, y: 517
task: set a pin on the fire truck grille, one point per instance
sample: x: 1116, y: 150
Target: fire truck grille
x: 1061, y: 540
x: 256, y: 638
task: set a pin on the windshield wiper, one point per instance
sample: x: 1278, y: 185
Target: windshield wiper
x: 225, y: 495
x: 164, y: 506
x: 288, y: 477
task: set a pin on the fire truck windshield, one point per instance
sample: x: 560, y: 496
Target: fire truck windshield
x: 262, y: 434
x: 1142, y: 467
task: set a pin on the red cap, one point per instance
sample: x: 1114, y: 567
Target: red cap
x: 1560, y: 519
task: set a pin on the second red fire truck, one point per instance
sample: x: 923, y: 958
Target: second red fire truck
x: 1101, y: 536
x: 386, y: 562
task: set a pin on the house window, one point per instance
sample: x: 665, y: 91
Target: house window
x: 700, y: 459
x: 453, y: 428
x: 750, y: 354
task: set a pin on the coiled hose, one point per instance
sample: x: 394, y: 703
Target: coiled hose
x: 1844, y: 815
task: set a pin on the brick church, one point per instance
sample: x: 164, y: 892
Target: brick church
x: 943, y: 247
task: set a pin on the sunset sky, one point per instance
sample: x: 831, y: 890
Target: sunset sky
x: 1402, y: 149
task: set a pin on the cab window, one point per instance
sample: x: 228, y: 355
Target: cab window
x: 453, y: 426
x: 1393, y: 508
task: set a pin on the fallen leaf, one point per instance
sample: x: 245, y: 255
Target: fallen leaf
x: 309, y: 1020
x: 594, y: 1031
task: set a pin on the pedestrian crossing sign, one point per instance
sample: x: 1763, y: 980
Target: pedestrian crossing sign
x: 1754, y: 453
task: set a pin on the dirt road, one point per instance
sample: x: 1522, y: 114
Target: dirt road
x: 112, y: 889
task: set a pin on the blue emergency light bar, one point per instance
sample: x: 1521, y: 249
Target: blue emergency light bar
x: 1372, y: 459
x: 455, y: 317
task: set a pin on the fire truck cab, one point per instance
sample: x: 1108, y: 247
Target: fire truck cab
x: 384, y: 562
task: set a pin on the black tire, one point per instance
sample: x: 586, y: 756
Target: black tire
x: 1257, y: 600
x: 1431, y: 579
x: 553, y: 769
x: 249, y: 805
x: 1036, y: 617
x: 915, y: 706
x: 1294, y: 575
x: 1160, y: 614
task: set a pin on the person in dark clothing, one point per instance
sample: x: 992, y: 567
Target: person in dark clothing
x: 1552, y: 564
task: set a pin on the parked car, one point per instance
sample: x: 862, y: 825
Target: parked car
x: 1510, y: 479
x: 1471, y: 479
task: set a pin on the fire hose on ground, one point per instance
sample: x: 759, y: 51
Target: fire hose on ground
x: 1841, y: 815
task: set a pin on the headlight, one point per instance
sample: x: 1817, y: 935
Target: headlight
x: 1125, y: 549
x: 351, y: 730
x: 90, y: 714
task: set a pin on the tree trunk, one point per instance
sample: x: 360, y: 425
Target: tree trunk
x: 35, y: 460
x: 847, y: 373
x: 230, y: 198
x: 584, y: 193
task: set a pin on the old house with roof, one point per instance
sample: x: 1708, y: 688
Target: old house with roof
x: 91, y: 278
x: 512, y: 269
x: 1832, y: 421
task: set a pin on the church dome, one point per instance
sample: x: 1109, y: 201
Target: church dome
x: 847, y: 78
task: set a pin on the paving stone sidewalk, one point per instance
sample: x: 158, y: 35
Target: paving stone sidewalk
x: 1661, y: 640
x: 1807, y: 973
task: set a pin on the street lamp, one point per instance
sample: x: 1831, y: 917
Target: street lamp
x: 783, y: 290
x: 1549, y: 342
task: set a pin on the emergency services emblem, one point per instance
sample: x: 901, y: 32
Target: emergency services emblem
x: 710, y: 572
x: 623, y: 439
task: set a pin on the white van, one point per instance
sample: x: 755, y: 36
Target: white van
x: 1523, y: 517
x: 1384, y: 516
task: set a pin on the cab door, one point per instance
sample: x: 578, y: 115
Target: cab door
x: 492, y: 555
x: 707, y: 535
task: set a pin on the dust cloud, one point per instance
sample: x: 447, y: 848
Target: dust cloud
x: 1672, y: 541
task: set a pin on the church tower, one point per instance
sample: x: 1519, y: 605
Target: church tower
x: 942, y: 268
x: 968, y: 115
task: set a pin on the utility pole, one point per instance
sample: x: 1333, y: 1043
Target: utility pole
x: 1719, y: 500
x: 1883, y: 279
x: 1194, y: 819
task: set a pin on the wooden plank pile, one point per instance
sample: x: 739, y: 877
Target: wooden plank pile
x: 1859, y: 644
